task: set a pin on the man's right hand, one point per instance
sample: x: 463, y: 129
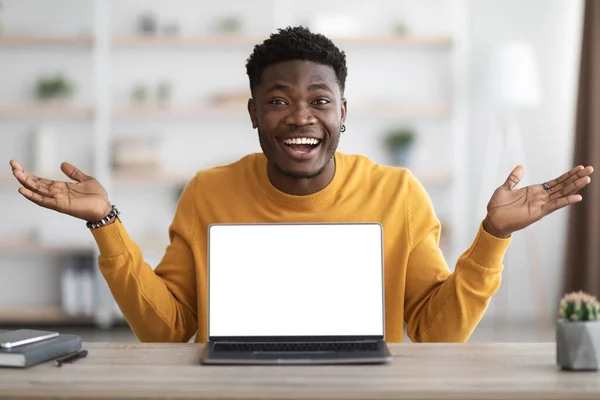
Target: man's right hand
x: 85, y: 198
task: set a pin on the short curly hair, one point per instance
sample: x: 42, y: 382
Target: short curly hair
x: 296, y: 43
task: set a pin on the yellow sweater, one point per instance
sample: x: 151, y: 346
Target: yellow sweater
x: 169, y: 304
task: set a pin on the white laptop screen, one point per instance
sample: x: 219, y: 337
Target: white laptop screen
x: 295, y: 280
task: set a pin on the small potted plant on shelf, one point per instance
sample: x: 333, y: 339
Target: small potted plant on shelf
x: 56, y: 88
x: 578, y: 332
x: 399, y: 143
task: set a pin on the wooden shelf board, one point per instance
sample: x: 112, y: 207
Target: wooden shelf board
x: 31, y: 246
x: 40, y: 315
x: 434, y: 178
x: 30, y: 41
x: 125, y: 178
x: 398, y: 40
x: 432, y: 110
x: 250, y: 40
x: 28, y: 110
x: 398, y: 110
x: 142, y: 111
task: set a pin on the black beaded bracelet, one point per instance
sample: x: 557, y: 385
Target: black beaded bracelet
x: 113, y: 213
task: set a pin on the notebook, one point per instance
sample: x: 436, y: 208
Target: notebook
x: 39, y: 352
x: 295, y: 293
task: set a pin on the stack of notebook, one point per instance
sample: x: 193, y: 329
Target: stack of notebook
x: 39, y: 352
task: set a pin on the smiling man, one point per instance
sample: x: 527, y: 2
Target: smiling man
x: 297, y: 81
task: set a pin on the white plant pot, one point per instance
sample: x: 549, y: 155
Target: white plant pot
x: 578, y: 345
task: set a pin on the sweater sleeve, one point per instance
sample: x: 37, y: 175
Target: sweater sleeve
x: 159, y: 304
x: 440, y: 305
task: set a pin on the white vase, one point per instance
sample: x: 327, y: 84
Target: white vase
x: 578, y: 345
x: 402, y: 156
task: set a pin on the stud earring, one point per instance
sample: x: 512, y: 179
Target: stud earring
x: 343, y: 128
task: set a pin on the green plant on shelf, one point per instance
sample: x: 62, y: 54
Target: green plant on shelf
x: 399, y: 142
x: 54, y: 87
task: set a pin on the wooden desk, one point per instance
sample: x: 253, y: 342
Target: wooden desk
x: 418, y: 371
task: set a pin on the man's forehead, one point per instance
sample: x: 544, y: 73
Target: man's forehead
x: 298, y: 69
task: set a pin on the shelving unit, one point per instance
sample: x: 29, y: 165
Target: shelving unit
x: 36, y: 41
x: 106, y: 113
x: 32, y: 246
x: 33, y: 315
x: 223, y: 40
x: 394, y: 110
x: 45, y: 110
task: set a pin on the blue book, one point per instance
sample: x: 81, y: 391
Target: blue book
x: 39, y: 352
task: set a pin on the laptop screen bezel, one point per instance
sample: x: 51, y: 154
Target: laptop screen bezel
x: 295, y: 338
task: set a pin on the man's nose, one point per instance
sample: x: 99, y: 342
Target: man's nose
x: 300, y: 115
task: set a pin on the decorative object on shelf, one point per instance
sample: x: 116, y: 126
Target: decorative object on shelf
x: 231, y: 99
x: 400, y: 29
x: 164, y: 90
x: 77, y: 285
x: 148, y: 24
x: 170, y: 28
x: 45, y: 152
x: 399, y: 142
x: 136, y: 156
x: 139, y: 94
x: 578, y: 332
x: 228, y: 25
x: 57, y: 87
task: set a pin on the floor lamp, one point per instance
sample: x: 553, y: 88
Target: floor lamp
x: 514, y: 86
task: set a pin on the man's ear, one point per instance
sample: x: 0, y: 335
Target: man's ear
x: 344, y: 110
x: 252, y: 113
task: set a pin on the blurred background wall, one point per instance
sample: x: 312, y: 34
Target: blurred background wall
x: 141, y: 94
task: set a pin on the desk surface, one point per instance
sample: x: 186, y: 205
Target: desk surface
x: 450, y: 371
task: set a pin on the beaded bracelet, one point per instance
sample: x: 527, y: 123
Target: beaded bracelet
x: 113, y: 213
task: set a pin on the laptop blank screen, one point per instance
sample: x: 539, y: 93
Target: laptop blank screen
x: 295, y: 280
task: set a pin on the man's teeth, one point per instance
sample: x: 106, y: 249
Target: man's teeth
x: 302, y: 141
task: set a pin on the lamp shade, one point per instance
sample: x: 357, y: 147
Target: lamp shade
x: 514, y: 75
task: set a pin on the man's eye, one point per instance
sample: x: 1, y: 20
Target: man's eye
x: 278, y: 102
x: 321, y: 102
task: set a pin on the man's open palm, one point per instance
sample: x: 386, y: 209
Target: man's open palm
x: 85, y: 198
x: 510, y: 209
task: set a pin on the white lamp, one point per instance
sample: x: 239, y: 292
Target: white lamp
x: 514, y: 85
x: 514, y: 76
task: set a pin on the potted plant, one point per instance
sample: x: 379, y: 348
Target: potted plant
x: 399, y: 142
x: 57, y: 87
x: 578, y: 332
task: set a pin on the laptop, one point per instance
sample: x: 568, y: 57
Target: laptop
x: 295, y: 293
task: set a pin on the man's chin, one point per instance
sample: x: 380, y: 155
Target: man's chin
x: 303, y: 172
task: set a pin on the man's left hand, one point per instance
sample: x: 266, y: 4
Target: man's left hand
x: 510, y: 210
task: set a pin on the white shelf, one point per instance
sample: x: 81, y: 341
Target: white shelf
x: 148, y: 179
x: 250, y: 40
x: 44, y: 110
x: 16, y: 246
x: 387, y: 110
x: 37, y: 41
x: 152, y: 111
x: 51, y: 110
x: 434, y: 178
x: 43, y: 315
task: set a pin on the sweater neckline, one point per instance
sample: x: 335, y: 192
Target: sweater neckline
x: 323, y: 198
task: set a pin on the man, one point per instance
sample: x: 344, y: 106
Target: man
x: 297, y: 81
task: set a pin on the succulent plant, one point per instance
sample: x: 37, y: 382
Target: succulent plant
x: 579, y: 306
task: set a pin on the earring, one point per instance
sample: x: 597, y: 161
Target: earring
x: 343, y: 128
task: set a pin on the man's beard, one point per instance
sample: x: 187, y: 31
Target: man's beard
x: 300, y: 175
